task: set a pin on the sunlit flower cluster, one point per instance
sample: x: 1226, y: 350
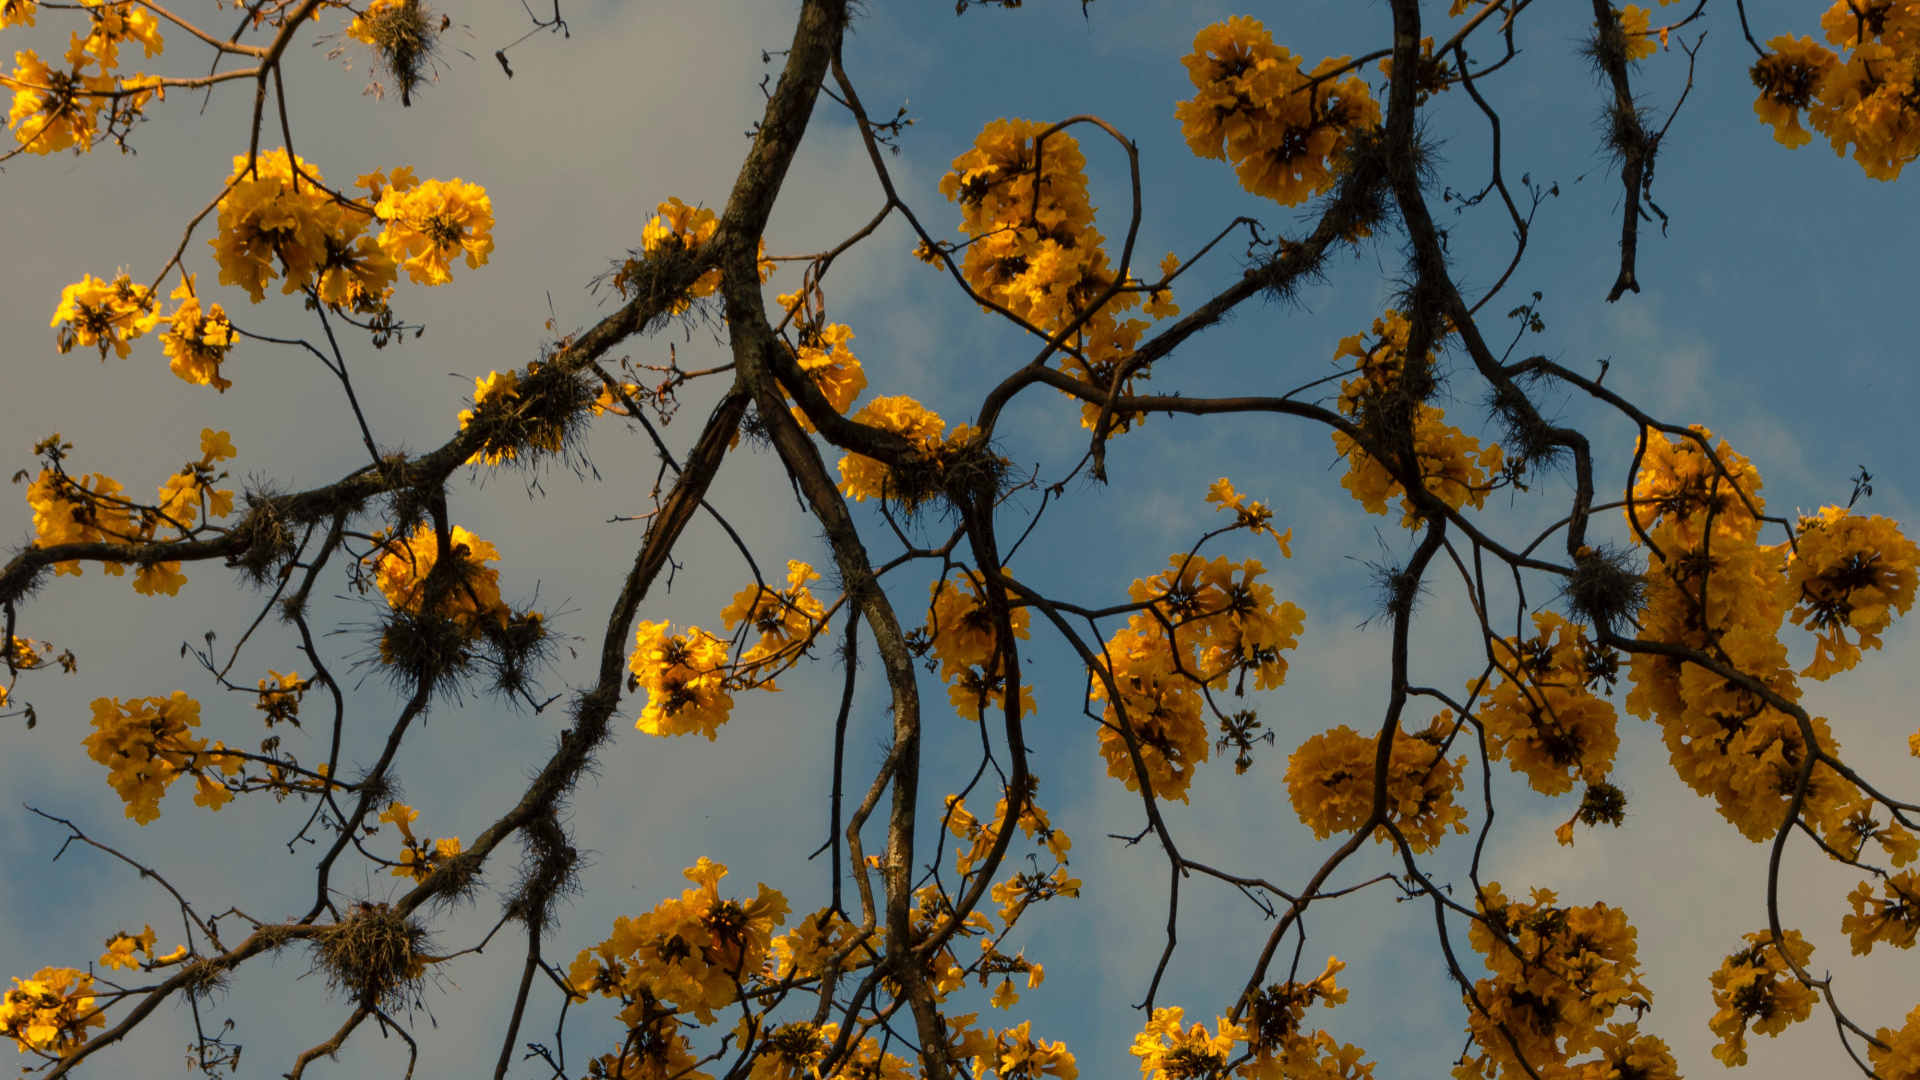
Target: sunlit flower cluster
x: 146, y: 745
x: 1453, y: 466
x: 685, y: 677
x: 1284, y: 129
x: 1558, y: 975
x: 692, y: 953
x: 961, y: 635
x: 1208, y: 624
x: 787, y: 621
x: 863, y: 478
x: 431, y: 223
x: 93, y: 510
x: 1033, y: 250
x: 105, y: 314
x: 1851, y: 572
x: 1864, y: 96
x: 419, y: 855
x: 1541, y: 714
x: 55, y: 110
x: 50, y: 1012
x: 277, y: 221
x: 1330, y: 781
x: 1710, y: 585
x: 466, y: 591
x: 1757, y: 989
x: 196, y: 342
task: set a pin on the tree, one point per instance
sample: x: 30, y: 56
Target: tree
x: 1508, y: 567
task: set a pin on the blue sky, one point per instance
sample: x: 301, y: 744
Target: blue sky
x: 1776, y: 310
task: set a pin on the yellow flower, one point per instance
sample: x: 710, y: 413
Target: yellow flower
x: 788, y: 620
x: 1558, y: 974
x: 197, y: 344
x: 1634, y: 21
x: 433, y: 223
x: 88, y: 510
x: 50, y: 1012
x: 825, y: 358
x: 54, y: 110
x: 685, y: 678
x: 122, y: 946
x: 105, y: 314
x: 145, y: 746
x: 1788, y: 77
x: 1893, y: 917
x: 1850, y: 572
x: 17, y: 12
x: 1169, y: 1052
x: 1285, y: 130
x: 692, y: 952
x: 114, y: 23
x: 1899, y: 1056
x: 277, y: 220
x: 1330, y: 781
x: 1757, y: 987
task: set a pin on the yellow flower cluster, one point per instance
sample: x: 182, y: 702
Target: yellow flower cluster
x: 1252, y: 515
x: 1558, y: 975
x: 428, y: 224
x: 1849, y: 572
x: 677, y: 227
x: 1283, y: 1049
x: 1034, y: 249
x: 50, y: 1012
x: 122, y: 946
x: 419, y: 855
x: 145, y: 746
x: 466, y: 593
x: 197, y: 343
x: 692, y: 953
x: 361, y: 28
x: 1710, y: 585
x: 863, y: 478
x: 1453, y: 466
x: 498, y: 395
x: 803, y: 952
x: 276, y: 219
x: 685, y: 677
x: 1330, y: 782
x: 1542, y: 715
x: 787, y: 620
x: 1014, y: 1054
x: 1892, y: 917
x: 56, y: 110
x: 1757, y: 987
x: 1209, y: 620
x: 962, y: 637
x: 1169, y: 1050
x: 824, y: 356
x: 1900, y: 1057
x: 1284, y: 129
x: 104, y: 314
x: 1864, y: 96
x: 92, y: 510
x: 980, y: 838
